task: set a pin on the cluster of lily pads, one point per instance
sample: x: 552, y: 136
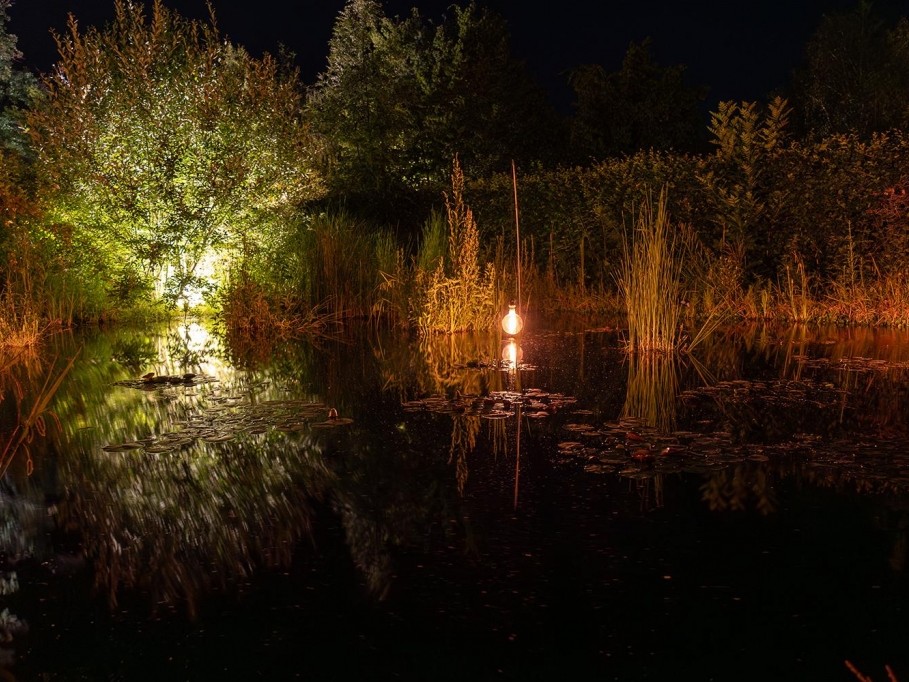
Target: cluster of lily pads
x: 225, y: 418
x: 151, y: 381
x: 629, y: 447
x: 534, y: 403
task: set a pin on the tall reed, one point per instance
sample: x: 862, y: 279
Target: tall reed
x: 797, y: 293
x: 650, y: 281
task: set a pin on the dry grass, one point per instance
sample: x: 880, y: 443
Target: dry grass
x: 250, y: 315
x: 21, y: 322
x: 460, y: 295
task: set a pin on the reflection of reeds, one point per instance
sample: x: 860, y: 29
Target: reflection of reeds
x: 444, y: 364
x: 653, y: 384
x: 891, y: 676
x: 34, y: 421
x: 650, y: 281
x: 464, y: 432
x: 732, y: 488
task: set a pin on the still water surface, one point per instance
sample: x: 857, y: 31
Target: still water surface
x: 739, y: 514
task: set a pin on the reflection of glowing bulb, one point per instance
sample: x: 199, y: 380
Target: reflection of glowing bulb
x: 512, y: 355
x: 512, y: 323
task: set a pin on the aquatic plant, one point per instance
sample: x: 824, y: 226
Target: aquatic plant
x: 458, y: 295
x: 650, y: 281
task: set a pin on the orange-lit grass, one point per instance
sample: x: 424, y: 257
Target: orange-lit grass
x: 249, y: 314
x: 891, y: 676
x: 650, y: 281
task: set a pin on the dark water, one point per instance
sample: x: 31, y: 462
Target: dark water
x: 740, y: 514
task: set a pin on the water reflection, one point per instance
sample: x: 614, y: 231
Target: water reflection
x: 446, y: 364
x: 175, y: 526
x: 206, y: 514
x: 172, y: 511
x: 738, y: 487
x: 653, y: 387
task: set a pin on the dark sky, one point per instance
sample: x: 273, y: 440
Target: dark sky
x: 740, y: 50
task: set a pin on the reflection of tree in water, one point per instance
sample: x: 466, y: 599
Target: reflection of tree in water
x: 653, y: 385
x: 165, y: 349
x: 178, y: 525
x: 389, y: 495
x: 187, y: 349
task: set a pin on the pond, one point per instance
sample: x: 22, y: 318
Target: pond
x: 374, y: 506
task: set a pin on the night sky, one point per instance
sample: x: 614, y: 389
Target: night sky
x: 741, y: 51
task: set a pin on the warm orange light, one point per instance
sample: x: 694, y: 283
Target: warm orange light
x: 512, y: 323
x: 512, y: 355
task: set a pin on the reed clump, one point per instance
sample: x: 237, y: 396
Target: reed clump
x: 250, y: 313
x: 456, y: 295
x: 650, y: 281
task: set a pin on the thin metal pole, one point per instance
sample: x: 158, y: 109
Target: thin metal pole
x: 517, y: 230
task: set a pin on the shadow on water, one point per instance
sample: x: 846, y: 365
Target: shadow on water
x: 462, y: 506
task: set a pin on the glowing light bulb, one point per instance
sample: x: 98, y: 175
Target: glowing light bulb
x: 512, y: 323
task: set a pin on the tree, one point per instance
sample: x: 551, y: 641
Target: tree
x: 495, y: 111
x: 362, y: 102
x: 401, y: 97
x: 855, y: 76
x: 160, y: 142
x: 17, y: 86
x: 641, y: 106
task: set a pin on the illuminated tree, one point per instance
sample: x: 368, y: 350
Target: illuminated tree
x: 161, y: 142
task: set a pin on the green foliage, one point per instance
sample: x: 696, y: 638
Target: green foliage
x: 160, y: 144
x: 829, y: 192
x: 17, y: 87
x: 328, y: 261
x: 400, y: 97
x: 434, y: 243
x: 641, y: 106
x: 733, y: 178
x: 563, y: 208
